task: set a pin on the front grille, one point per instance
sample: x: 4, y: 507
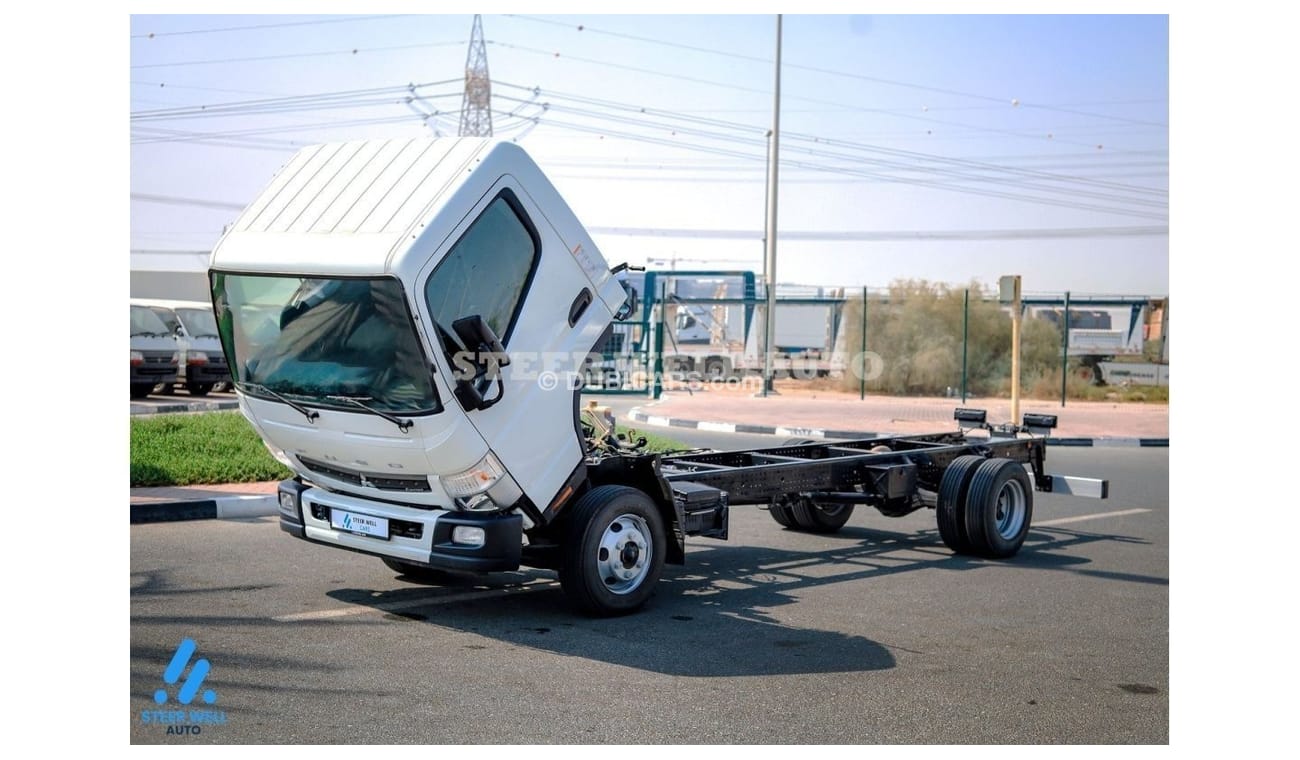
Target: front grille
x: 396, y: 527
x: 405, y: 483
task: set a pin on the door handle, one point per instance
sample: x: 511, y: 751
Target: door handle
x: 579, y: 306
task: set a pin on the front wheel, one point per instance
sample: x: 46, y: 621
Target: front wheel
x: 614, y: 551
x: 198, y: 389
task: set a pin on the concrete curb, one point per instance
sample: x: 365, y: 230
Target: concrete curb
x: 636, y: 414
x: 185, y: 406
x: 221, y: 508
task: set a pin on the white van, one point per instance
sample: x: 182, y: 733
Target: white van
x: 192, y: 324
x: 154, y: 358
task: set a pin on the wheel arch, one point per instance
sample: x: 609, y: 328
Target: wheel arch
x: 642, y: 473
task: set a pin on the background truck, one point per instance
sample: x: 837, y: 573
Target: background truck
x: 406, y: 321
x: 713, y: 329
x: 202, y: 367
x: 154, y: 357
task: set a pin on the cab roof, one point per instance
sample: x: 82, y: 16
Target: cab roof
x: 357, y: 207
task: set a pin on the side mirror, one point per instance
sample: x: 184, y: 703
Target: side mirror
x: 629, y: 306
x: 476, y: 336
x: 488, y: 357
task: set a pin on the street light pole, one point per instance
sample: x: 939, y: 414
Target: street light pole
x: 773, y: 159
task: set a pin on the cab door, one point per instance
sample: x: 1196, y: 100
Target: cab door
x: 512, y: 268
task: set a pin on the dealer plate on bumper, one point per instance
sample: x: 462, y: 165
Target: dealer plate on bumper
x: 365, y: 525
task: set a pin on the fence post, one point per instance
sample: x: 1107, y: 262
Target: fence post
x: 862, y: 370
x: 656, y: 385
x: 1065, y: 348
x: 965, y: 332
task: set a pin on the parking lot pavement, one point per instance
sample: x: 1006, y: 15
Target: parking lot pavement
x: 876, y: 634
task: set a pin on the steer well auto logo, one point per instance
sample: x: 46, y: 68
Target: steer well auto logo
x: 178, y: 720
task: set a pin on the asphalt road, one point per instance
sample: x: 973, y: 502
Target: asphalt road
x: 877, y: 634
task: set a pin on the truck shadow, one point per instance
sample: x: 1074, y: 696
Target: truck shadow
x: 714, y: 616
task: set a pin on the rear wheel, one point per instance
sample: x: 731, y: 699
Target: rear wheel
x: 783, y: 513
x: 613, y: 552
x: 999, y: 506
x: 141, y: 390
x: 821, y: 518
x: 950, y: 511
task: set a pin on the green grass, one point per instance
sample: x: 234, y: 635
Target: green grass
x: 194, y: 449
x: 656, y: 443
x: 221, y: 447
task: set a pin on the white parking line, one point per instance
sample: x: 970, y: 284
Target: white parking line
x: 427, y: 601
x: 1081, y: 518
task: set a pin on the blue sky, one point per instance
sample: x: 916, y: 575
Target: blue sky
x: 890, y: 124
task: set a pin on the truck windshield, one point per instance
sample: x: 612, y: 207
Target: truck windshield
x: 310, y: 339
x: 145, y: 322
x: 199, y: 323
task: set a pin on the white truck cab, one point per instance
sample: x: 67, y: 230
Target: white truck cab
x: 343, y: 296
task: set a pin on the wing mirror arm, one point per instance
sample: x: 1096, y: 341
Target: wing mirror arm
x: 487, y: 357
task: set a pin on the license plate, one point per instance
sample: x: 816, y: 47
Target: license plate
x: 365, y: 525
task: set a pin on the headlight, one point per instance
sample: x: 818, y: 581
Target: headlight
x: 476, y: 479
x: 137, y: 358
x: 196, y: 357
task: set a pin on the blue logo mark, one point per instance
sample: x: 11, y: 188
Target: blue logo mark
x: 347, y: 522
x: 192, y: 683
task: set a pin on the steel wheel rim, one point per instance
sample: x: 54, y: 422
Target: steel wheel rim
x: 831, y: 510
x: 624, y: 553
x: 1009, y: 512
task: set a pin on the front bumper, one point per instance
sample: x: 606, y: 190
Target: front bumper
x: 419, y: 536
x: 152, y: 375
x: 207, y: 373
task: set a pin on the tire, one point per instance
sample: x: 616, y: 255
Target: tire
x: 715, y: 369
x: 198, y: 389
x: 821, y: 518
x: 613, y: 552
x: 166, y: 389
x: 999, y: 507
x: 418, y: 572
x: 950, y: 511
x: 783, y: 514
x: 141, y: 390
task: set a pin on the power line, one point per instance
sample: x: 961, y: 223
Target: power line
x: 806, y: 235
x: 741, y: 88
x: 833, y: 72
x: 346, y: 20
x: 1066, y: 233
x: 855, y: 172
x: 286, y: 103
x: 910, y: 155
x: 353, y: 51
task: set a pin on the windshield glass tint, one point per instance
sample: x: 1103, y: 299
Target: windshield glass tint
x: 484, y: 273
x: 145, y: 322
x: 312, y: 338
x: 199, y: 323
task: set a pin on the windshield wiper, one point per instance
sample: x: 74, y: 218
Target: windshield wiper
x: 402, y: 425
x: 310, y: 414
